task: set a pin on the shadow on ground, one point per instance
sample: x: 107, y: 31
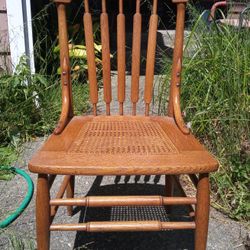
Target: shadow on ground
x: 172, y: 239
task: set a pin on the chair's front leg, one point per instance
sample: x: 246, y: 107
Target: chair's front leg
x: 70, y: 193
x: 42, y: 212
x: 202, y: 212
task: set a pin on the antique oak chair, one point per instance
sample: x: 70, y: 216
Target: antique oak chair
x: 121, y: 144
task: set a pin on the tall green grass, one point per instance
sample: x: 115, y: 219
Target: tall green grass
x: 216, y: 101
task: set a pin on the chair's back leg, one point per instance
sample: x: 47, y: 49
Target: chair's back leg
x: 70, y: 193
x: 169, y: 183
x: 202, y: 212
x: 42, y: 213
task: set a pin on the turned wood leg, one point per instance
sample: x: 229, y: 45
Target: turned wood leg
x: 70, y: 193
x: 42, y: 212
x: 202, y: 212
x: 169, y: 185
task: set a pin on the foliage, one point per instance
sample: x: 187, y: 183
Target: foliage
x: 215, y: 97
x: 78, y: 56
x: 18, y: 108
x: 31, y: 103
x: 7, y: 156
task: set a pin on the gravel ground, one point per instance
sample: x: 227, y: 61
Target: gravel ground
x: 224, y: 233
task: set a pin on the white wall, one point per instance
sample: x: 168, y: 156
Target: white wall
x: 19, y: 46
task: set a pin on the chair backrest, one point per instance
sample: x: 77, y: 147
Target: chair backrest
x: 173, y: 107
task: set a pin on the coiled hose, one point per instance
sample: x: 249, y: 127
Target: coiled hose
x: 12, y: 217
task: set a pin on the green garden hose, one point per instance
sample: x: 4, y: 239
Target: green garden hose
x: 26, y: 199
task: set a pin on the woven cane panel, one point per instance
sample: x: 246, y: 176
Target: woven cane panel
x: 133, y: 213
x: 122, y: 137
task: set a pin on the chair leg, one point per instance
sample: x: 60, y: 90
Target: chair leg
x: 169, y: 185
x: 202, y: 212
x: 42, y: 213
x: 70, y: 193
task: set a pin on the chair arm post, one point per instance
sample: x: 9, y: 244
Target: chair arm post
x: 174, y: 109
x: 67, y: 107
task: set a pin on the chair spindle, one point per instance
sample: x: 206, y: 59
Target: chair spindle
x: 121, y: 54
x: 153, y: 23
x: 106, y: 57
x: 88, y: 30
x: 136, y: 52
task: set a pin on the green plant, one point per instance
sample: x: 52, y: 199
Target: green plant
x: 7, y: 156
x: 216, y: 101
x: 31, y: 103
x: 17, y: 101
x: 78, y: 56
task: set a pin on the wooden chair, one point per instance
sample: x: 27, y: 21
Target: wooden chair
x: 121, y: 144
